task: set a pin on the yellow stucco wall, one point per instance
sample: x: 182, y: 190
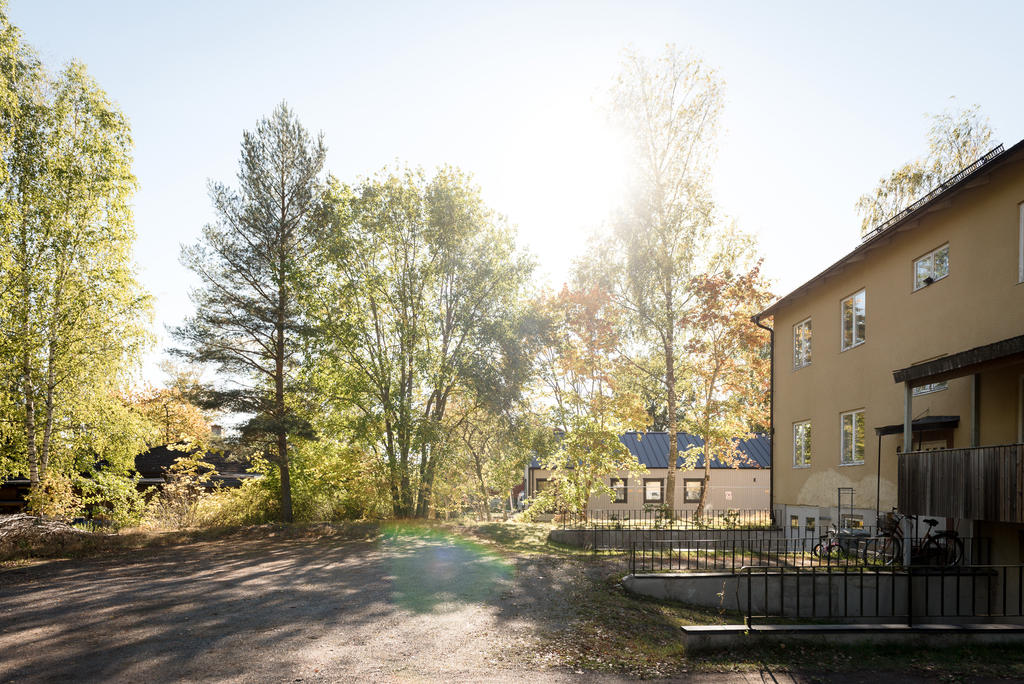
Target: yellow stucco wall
x: 978, y: 303
x: 731, y: 488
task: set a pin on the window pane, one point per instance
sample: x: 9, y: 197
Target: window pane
x: 859, y: 315
x: 940, y: 263
x: 847, y: 323
x: 858, y: 421
x: 922, y: 269
x: 847, y: 451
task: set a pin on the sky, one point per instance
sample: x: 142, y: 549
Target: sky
x: 821, y: 100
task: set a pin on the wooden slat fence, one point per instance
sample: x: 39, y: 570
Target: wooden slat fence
x: 982, y: 483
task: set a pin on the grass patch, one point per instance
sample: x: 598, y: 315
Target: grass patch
x: 89, y: 544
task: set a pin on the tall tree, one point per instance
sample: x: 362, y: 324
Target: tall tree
x: 957, y: 137
x: 248, y: 322
x: 419, y: 297
x: 727, y: 369
x: 72, y: 314
x: 670, y: 112
x: 582, y: 371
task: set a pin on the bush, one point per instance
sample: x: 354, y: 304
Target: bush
x: 54, y: 497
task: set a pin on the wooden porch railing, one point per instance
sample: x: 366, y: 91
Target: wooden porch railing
x: 980, y: 483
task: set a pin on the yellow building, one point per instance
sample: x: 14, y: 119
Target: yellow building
x: 922, y: 325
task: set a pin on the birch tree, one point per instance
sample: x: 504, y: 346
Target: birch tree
x: 957, y: 137
x: 72, y: 314
x: 669, y: 110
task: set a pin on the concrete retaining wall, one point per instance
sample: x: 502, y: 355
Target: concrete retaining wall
x: 860, y: 597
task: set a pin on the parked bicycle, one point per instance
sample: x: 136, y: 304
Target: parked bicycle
x: 943, y: 548
x: 839, y: 543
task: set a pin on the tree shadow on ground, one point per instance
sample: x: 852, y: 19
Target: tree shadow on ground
x: 262, y: 608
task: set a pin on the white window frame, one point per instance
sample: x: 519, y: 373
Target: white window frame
x: 930, y: 387
x: 842, y: 454
x: 803, y: 357
x: 797, y: 463
x: 842, y: 321
x: 930, y: 257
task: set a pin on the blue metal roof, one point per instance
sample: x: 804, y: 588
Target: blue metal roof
x: 651, y: 450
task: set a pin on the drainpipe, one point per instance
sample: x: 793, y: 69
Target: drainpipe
x: 771, y: 413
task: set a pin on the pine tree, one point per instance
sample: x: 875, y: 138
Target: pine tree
x: 248, y: 322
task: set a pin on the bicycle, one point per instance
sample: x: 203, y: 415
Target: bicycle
x: 839, y: 543
x: 944, y: 548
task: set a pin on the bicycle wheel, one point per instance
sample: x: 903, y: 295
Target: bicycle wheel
x: 945, y: 550
x: 886, y: 551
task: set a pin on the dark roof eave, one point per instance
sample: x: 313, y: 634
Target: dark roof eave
x: 921, y: 425
x: 961, y: 363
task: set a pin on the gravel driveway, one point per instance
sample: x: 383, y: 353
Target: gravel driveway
x: 407, y: 607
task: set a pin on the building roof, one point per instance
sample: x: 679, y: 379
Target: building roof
x: 921, y: 425
x: 154, y: 462
x: 907, y: 218
x: 962, y: 363
x: 651, y: 450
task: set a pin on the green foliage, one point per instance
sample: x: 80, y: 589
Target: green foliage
x: 957, y: 138
x: 72, y: 315
x: 54, y: 497
x: 248, y: 322
x: 112, y: 498
x: 417, y: 297
x: 187, y: 481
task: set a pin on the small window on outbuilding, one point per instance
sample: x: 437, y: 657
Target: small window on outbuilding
x: 692, y: 490
x: 618, y: 485
x: 653, y: 490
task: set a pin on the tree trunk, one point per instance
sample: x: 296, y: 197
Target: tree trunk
x: 51, y: 383
x: 279, y: 410
x: 30, y: 422
x: 673, y: 439
x: 483, y: 486
x: 702, y: 503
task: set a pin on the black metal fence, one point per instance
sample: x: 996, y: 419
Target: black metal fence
x: 709, y: 554
x: 661, y: 519
x: 978, y: 593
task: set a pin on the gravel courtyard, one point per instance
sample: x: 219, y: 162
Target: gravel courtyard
x: 406, y: 607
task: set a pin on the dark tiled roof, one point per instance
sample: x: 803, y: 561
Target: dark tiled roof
x: 651, y: 450
x: 154, y: 462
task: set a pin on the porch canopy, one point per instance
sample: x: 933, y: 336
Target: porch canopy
x: 969, y: 362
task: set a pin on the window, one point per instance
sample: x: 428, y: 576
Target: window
x: 931, y: 267
x: 652, y: 490
x: 853, y: 522
x: 692, y: 490
x: 854, y: 326
x: 794, y: 522
x: 802, y: 344
x: 930, y: 387
x: 809, y: 526
x: 619, y: 487
x: 802, y: 444
x: 540, y: 485
x: 852, y: 448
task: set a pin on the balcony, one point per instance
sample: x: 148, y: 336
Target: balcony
x: 979, y: 483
